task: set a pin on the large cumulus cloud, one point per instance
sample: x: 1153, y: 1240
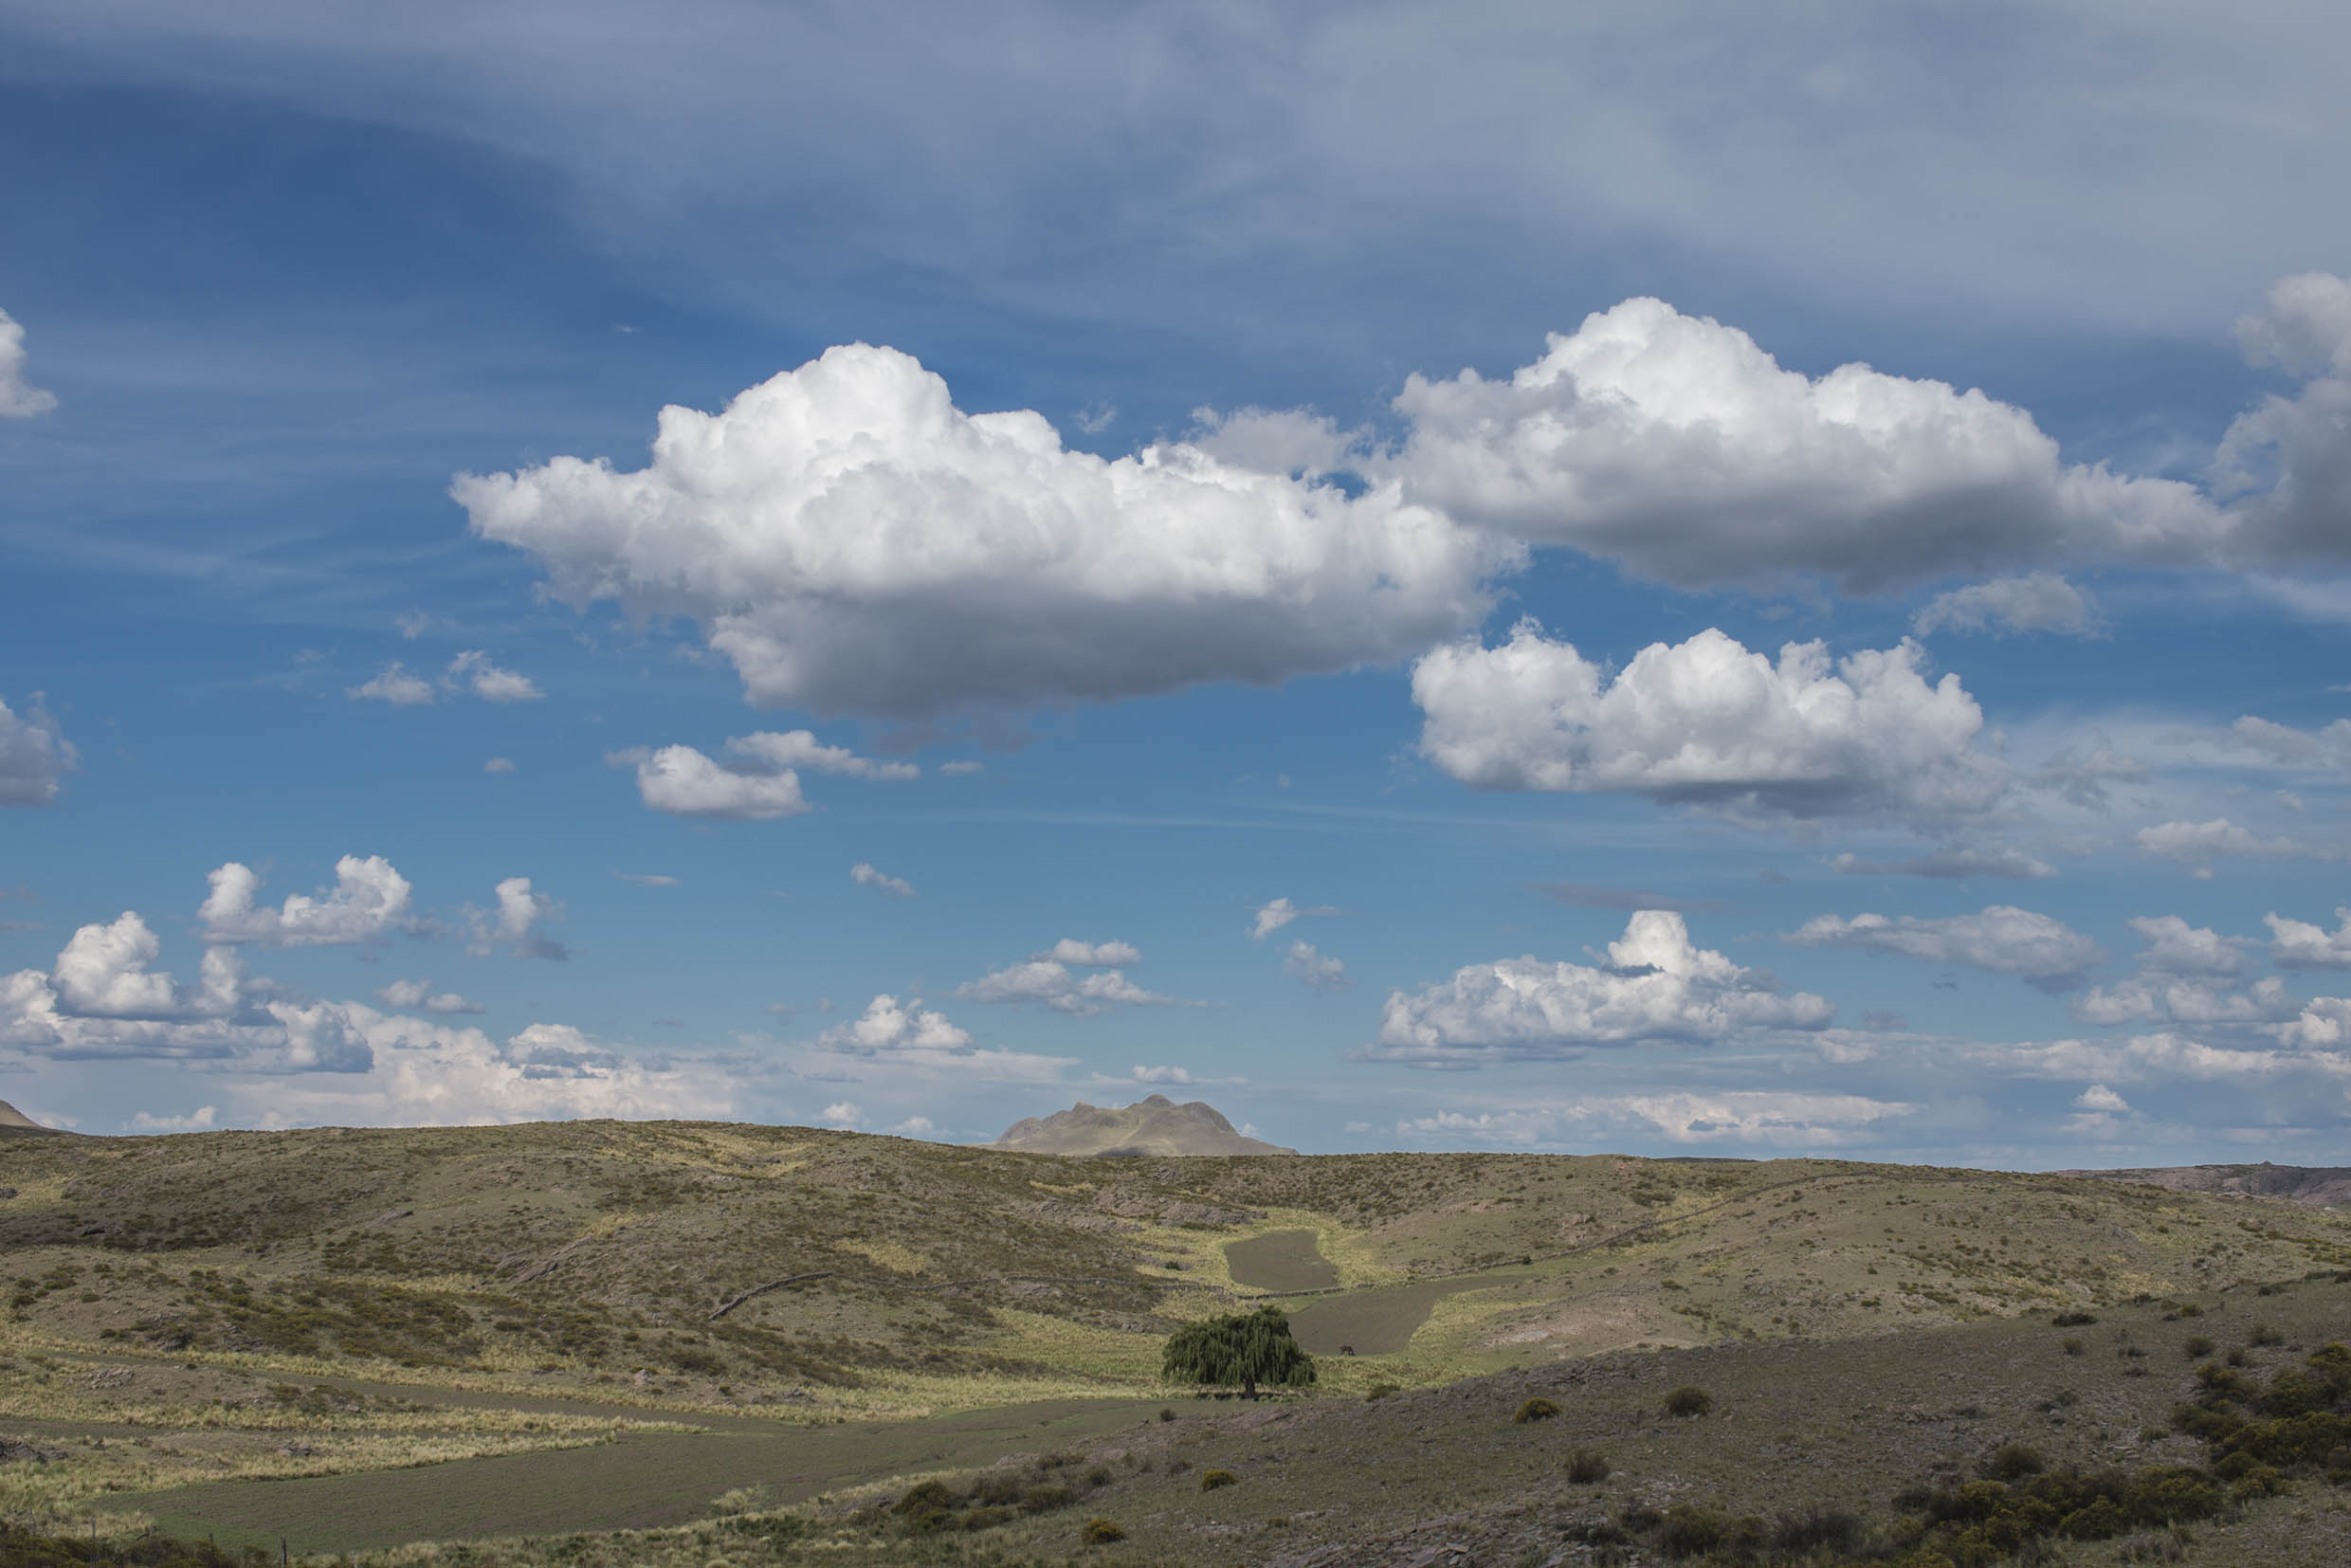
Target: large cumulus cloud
x: 1707, y: 720
x: 1678, y: 447
x: 852, y: 541
x: 34, y: 755
x: 1657, y: 985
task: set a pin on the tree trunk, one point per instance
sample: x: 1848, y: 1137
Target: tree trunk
x: 1249, y: 1388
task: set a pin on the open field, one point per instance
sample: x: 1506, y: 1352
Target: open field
x: 354, y: 1339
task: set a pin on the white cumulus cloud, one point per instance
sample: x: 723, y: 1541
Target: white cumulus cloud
x: 473, y: 670
x: 1274, y: 916
x: 1314, y: 969
x: 2299, y: 944
x: 1707, y: 720
x: 1049, y: 984
x: 411, y: 995
x: 684, y: 782
x: 865, y: 875
x: 2291, y: 457
x: 2197, y: 844
x: 19, y: 398
x: 801, y: 749
x: 2039, y: 601
x: 369, y: 901
x: 513, y: 927
x: 34, y: 755
x: 2001, y: 937
x: 1160, y: 1075
x: 852, y: 541
x: 1655, y: 986
x: 394, y: 684
x: 1676, y: 446
x: 1091, y: 955
x: 888, y: 1026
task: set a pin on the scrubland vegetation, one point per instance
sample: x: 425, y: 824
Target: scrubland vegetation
x: 741, y: 1342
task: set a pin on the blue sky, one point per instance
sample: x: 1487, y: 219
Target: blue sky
x: 1690, y: 580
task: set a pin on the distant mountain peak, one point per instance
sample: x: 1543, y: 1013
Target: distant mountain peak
x: 12, y: 1118
x: 1153, y: 1125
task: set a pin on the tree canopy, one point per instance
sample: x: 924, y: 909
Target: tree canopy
x: 1243, y: 1349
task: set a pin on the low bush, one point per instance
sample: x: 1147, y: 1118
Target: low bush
x: 1210, y: 1480
x: 2263, y: 1335
x: 1587, y: 1466
x: 2013, y: 1462
x: 2073, y: 1320
x: 2196, y: 1348
x: 1380, y: 1391
x: 1688, y: 1399
x: 1535, y: 1410
x: 1101, y: 1532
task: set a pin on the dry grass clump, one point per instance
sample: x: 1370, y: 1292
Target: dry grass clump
x: 1535, y: 1410
x: 1689, y: 1400
x: 1587, y: 1466
x: 1101, y: 1532
x: 1211, y: 1480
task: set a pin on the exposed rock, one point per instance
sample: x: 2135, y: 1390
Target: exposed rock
x: 1153, y: 1126
x: 2320, y: 1186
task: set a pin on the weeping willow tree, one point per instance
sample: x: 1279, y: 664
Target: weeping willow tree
x: 1247, y: 1348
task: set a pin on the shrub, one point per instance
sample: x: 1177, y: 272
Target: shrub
x: 1043, y: 1499
x: 2263, y: 1335
x: 1688, y: 1399
x: 2013, y: 1462
x: 2073, y: 1320
x: 1587, y: 1466
x: 1166, y: 1414
x: 2189, y: 1309
x: 1101, y: 1532
x: 1535, y: 1410
x: 1817, y: 1529
x: 2073, y: 1345
x: 1210, y: 1480
x: 1688, y: 1530
x: 1098, y: 1476
x: 1380, y: 1391
x: 2198, y: 1348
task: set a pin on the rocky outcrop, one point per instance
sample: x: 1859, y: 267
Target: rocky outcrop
x: 1153, y: 1126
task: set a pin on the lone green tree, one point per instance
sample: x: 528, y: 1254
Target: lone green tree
x: 1244, y: 1348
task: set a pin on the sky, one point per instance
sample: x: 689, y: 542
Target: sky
x: 1683, y: 579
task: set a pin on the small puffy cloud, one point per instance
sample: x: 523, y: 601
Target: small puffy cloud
x: 1080, y: 955
x: 867, y: 876
x: 1160, y: 1075
x: 801, y: 749
x: 410, y: 995
x: 2176, y: 947
x: 1677, y: 447
x: 1315, y: 970
x: 684, y: 782
x: 2305, y: 329
x: 2037, y: 948
x: 2155, y: 997
x: 852, y: 541
x: 198, y: 1121
x: 1955, y: 862
x: 34, y: 757
x: 369, y: 901
x: 2100, y: 1098
x: 472, y: 670
x: 1655, y: 986
x: 19, y: 398
x: 917, y: 1126
x: 887, y: 1026
x: 843, y: 1113
x: 2299, y: 944
x: 2197, y: 844
x: 394, y: 684
x: 1049, y: 984
x: 2040, y: 601
x: 1274, y: 917
x: 1707, y: 720
x: 498, y: 766
x: 513, y: 926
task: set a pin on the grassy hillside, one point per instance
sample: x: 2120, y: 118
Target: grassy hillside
x: 332, y: 1301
